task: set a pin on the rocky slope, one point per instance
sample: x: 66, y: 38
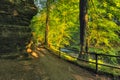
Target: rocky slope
x: 15, y: 17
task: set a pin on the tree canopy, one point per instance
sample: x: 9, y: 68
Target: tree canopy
x: 103, y: 30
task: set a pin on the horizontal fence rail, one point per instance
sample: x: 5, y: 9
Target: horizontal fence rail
x: 96, y: 59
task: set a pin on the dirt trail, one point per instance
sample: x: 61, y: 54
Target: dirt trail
x: 47, y: 67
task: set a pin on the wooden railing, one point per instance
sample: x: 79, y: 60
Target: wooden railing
x: 96, y: 59
x: 103, y: 64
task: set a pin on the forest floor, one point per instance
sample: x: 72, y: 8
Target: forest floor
x: 46, y: 67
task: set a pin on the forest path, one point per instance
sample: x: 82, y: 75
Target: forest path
x: 47, y: 67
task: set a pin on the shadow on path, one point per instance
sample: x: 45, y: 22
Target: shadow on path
x: 46, y: 67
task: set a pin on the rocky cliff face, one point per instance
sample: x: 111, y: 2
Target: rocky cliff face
x: 15, y: 17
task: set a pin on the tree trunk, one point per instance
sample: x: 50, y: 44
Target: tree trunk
x: 47, y: 22
x: 83, y: 17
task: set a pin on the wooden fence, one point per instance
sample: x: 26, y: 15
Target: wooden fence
x: 96, y: 59
x: 102, y: 64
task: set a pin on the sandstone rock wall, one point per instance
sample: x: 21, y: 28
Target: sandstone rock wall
x: 15, y: 17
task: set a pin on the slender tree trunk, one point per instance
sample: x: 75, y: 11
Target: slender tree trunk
x: 83, y: 17
x: 47, y: 22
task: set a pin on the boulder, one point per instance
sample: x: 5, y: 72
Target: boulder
x: 15, y: 18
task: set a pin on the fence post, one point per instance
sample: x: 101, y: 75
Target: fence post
x: 96, y: 58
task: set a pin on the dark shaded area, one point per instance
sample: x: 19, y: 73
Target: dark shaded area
x: 17, y: 12
x: 15, y: 17
x: 83, y: 18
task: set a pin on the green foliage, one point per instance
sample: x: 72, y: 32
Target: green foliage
x: 62, y: 23
x: 102, y: 32
x: 103, y: 25
x: 38, y: 27
x: 94, y: 65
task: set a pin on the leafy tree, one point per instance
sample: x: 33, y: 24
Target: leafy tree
x: 103, y: 28
x: 60, y: 26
